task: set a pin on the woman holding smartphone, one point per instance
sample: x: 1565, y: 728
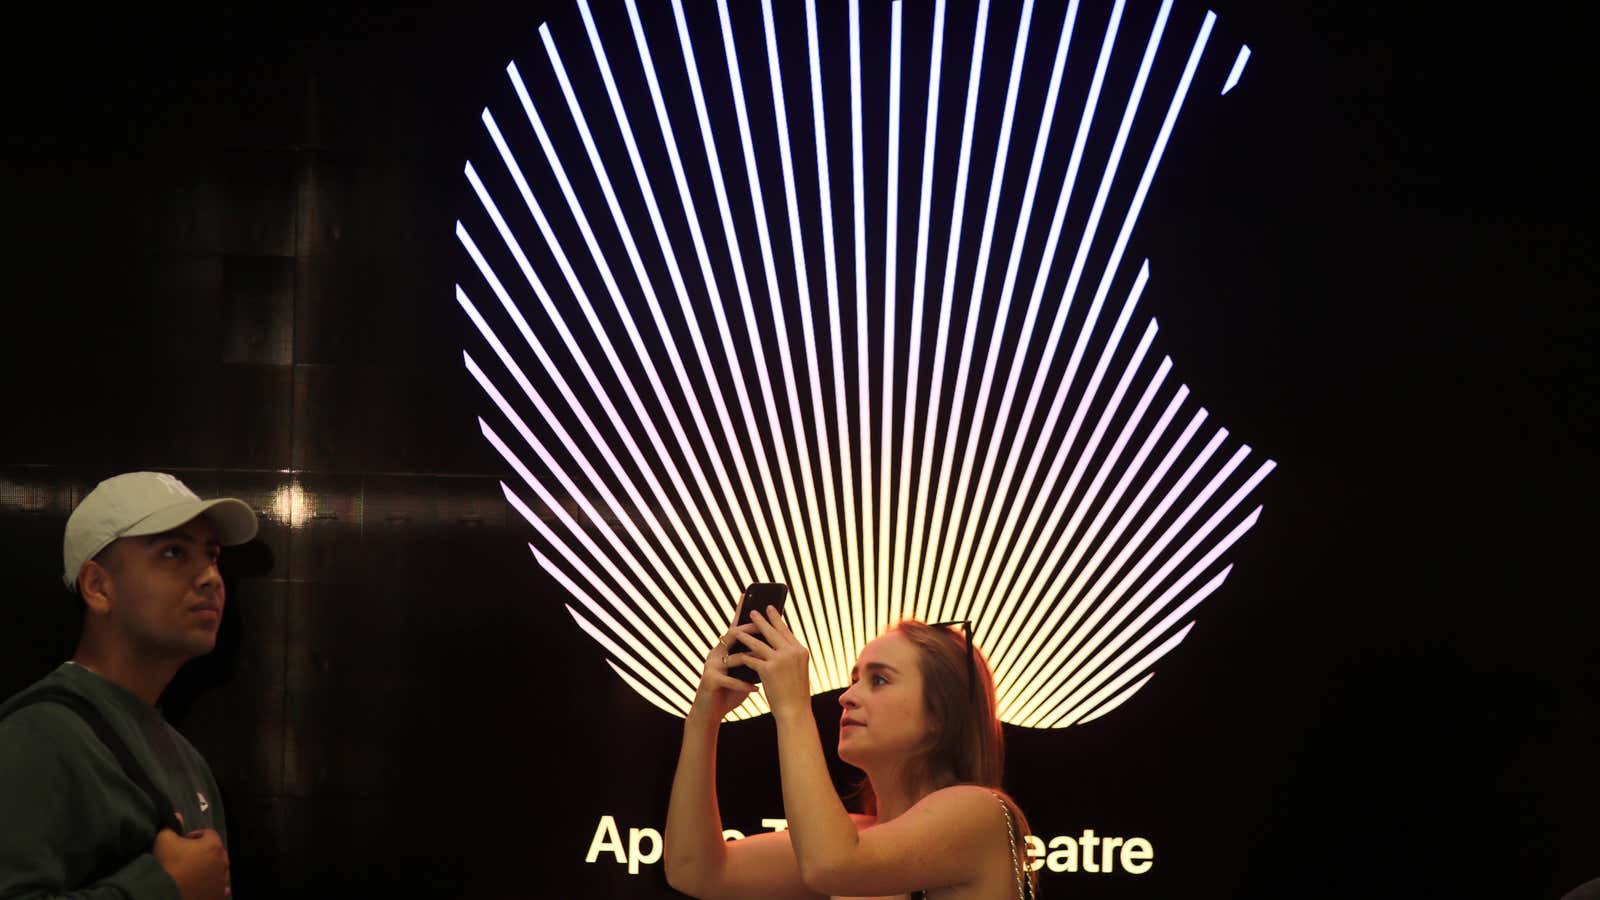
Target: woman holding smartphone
x: 918, y: 720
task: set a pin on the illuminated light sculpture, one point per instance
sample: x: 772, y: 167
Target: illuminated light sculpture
x: 664, y: 461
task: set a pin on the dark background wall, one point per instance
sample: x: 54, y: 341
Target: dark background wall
x: 229, y: 256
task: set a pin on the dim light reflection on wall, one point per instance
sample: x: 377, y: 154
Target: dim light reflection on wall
x: 1081, y: 553
x: 291, y: 504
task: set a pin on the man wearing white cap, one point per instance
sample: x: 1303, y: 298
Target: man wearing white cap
x: 99, y: 797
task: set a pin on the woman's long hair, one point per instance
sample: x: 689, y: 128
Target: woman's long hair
x: 965, y: 744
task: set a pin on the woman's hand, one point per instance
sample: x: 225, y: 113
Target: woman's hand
x: 778, y: 656
x: 720, y: 693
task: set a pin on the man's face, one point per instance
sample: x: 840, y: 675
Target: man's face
x: 166, y: 591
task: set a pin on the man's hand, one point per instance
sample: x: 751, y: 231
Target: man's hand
x: 198, y: 862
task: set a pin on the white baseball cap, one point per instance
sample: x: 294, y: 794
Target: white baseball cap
x: 141, y: 503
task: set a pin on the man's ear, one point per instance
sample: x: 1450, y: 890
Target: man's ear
x: 95, y: 587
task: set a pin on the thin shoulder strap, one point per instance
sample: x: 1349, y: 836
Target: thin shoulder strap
x: 165, y: 817
x: 1024, y: 883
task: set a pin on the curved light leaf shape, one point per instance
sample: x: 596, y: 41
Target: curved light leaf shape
x: 723, y: 344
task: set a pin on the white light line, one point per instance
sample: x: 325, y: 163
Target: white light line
x: 1114, y: 634
x: 664, y: 683
x: 945, y: 518
x: 664, y: 580
x: 1145, y: 180
x: 1009, y: 576
x: 730, y: 353
x: 1134, y: 671
x: 752, y: 429
x: 638, y: 688
x: 1118, y: 700
x: 683, y: 662
x: 1032, y: 572
x: 1022, y: 680
x: 667, y: 682
x: 724, y: 574
x: 847, y: 567
x: 733, y: 499
x: 977, y: 510
x: 890, y: 606
x: 831, y: 563
x: 812, y: 551
x: 1238, y: 68
x: 902, y: 575
x: 864, y: 574
x: 1096, y: 600
x: 710, y: 497
x: 1026, y: 489
x: 798, y: 568
x: 1066, y: 707
x: 702, y: 569
x: 986, y: 565
x: 1018, y: 572
x: 1002, y: 645
x: 920, y: 536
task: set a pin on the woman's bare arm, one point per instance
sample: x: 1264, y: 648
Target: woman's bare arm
x: 698, y: 861
x: 952, y: 836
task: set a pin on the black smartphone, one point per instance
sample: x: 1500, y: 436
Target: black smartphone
x: 756, y: 596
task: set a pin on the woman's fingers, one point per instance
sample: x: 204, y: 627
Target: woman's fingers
x: 754, y: 645
x: 746, y: 659
x: 731, y: 683
x: 772, y: 628
x: 778, y: 623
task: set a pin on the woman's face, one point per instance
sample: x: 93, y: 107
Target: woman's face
x: 884, y: 717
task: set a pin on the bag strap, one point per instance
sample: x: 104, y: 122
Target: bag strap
x: 165, y: 816
x: 1024, y: 883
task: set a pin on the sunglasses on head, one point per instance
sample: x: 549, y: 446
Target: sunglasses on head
x: 972, y: 681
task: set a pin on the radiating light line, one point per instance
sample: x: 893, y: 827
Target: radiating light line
x: 1117, y: 701
x: 1004, y: 489
x: 798, y: 565
x: 1079, y: 560
x: 732, y: 497
x: 962, y: 559
x: 1111, y: 635
x: 848, y: 569
x: 811, y: 540
x: 1031, y: 569
x: 724, y: 573
x: 659, y: 575
x: 865, y: 611
x: 554, y: 371
x: 1134, y: 208
x: 885, y: 541
x: 922, y: 589
x: 1238, y: 68
x: 1079, y: 543
x: 1071, y: 703
x: 1021, y: 678
x: 701, y: 569
x: 683, y: 662
x: 1150, y: 168
x: 1136, y: 670
x: 1008, y: 576
x: 904, y: 587
x: 941, y: 510
x: 1098, y: 597
x: 841, y: 578
x: 781, y: 545
x: 667, y: 684
x: 1002, y: 645
x: 709, y: 496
